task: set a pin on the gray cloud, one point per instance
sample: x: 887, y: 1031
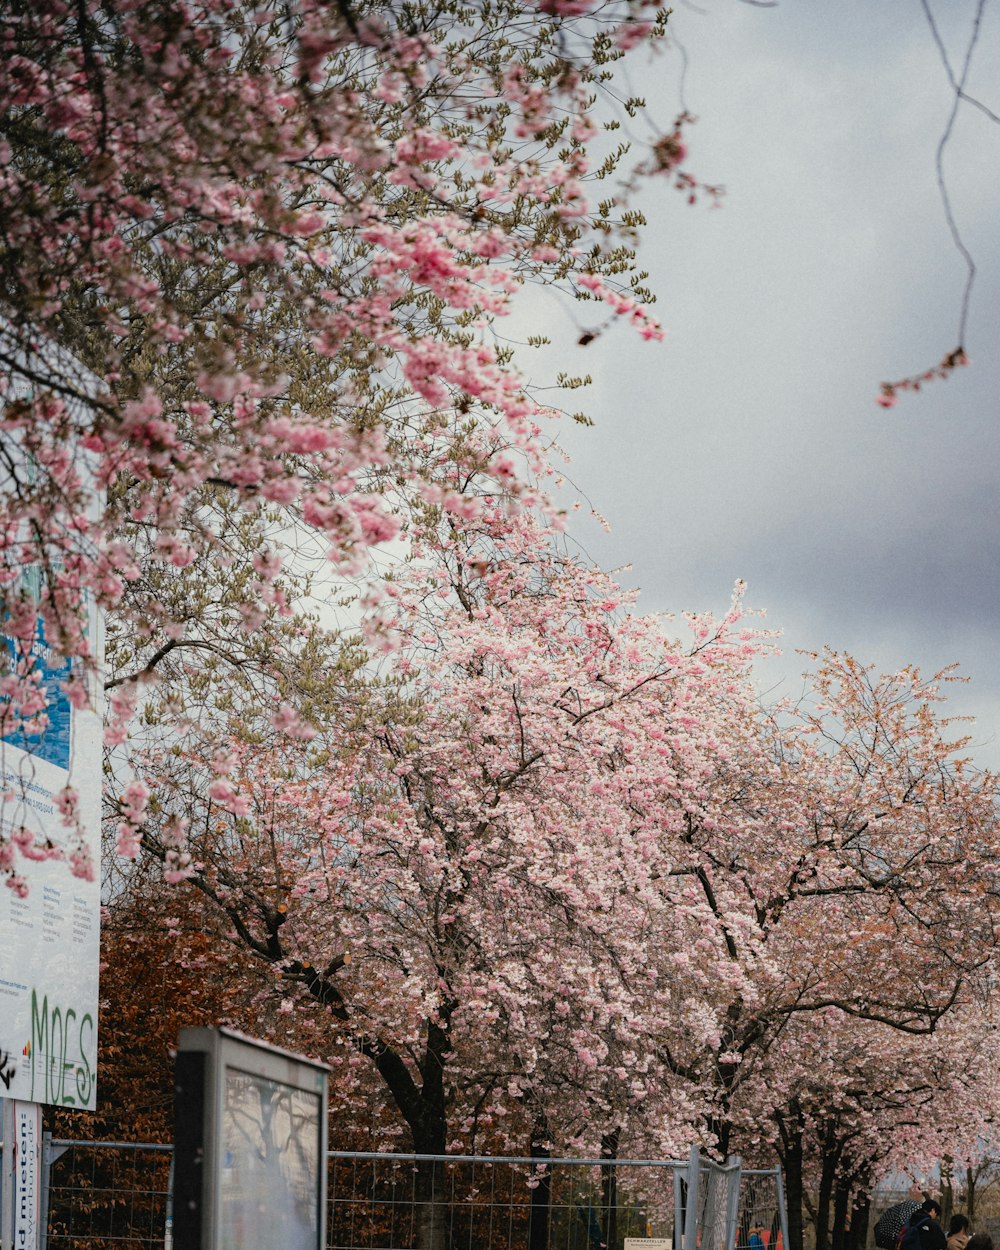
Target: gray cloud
x: 750, y: 445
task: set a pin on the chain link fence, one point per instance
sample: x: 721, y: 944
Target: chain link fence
x: 761, y: 1222
x: 117, y: 1196
x: 394, y: 1202
x: 711, y: 1192
x: 105, y: 1195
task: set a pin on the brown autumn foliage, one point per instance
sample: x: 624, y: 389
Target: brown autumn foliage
x: 167, y: 965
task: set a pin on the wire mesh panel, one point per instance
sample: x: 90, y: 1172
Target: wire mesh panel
x: 108, y: 1196
x: 115, y: 1196
x: 718, y: 1193
x: 400, y: 1202
x: 761, y: 1223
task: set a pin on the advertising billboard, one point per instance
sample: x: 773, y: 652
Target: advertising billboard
x: 50, y: 933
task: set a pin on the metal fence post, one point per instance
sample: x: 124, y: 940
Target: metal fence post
x: 49, y: 1155
x: 735, y: 1163
x: 168, y: 1231
x: 693, y: 1198
x: 679, y: 1208
x: 779, y: 1185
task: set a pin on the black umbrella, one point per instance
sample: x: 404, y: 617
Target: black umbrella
x: 892, y: 1222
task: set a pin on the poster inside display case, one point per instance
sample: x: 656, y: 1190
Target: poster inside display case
x: 250, y: 1145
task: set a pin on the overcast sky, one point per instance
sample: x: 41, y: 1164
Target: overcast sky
x: 749, y: 445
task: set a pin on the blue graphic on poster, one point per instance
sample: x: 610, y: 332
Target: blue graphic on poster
x: 54, y: 743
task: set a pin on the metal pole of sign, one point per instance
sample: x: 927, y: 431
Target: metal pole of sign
x: 7, y: 1177
x: 692, y: 1205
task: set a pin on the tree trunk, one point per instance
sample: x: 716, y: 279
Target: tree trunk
x: 828, y: 1171
x: 947, y: 1189
x: 609, y: 1188
x: 423, y: 1107
x: 432, y: 1210
x: 790, y: 1155
x: 857, y: 1238
x: 541, y: 1194
x: 841, y: 1209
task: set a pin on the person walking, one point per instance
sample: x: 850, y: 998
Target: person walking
x: 892, y: 1221
x: 924, y: 1232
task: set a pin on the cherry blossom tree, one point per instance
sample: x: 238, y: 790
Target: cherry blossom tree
x: 879, y: 822
x: 849, y: 878
x: 857, y: 1101
x: 459, y: 874
x: 250, y: 269
x: 554, y: 876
